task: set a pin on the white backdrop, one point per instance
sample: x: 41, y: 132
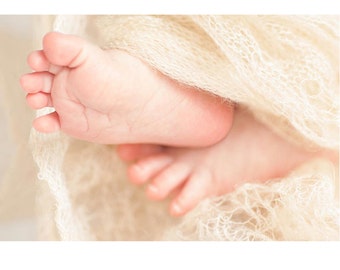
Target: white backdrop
x: 16, y: 182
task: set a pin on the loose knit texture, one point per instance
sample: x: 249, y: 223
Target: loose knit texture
x: 282, y: 68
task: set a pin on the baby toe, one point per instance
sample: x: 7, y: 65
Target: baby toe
x: 147, y: 168
x: 66, y: 50
x: 48, y: 123
x: 168, y: 180
x: 196, y: 189
x: 38, y: 61
x: 37, y: 82
x: 39, y: 100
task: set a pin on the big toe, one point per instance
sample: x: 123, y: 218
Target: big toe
x: 66, y: 50
x: 147, y: 168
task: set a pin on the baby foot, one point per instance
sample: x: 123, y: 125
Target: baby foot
x: 112, y: 97
x: 250, y: 153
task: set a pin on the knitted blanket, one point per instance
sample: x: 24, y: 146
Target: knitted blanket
x: 282, y: 68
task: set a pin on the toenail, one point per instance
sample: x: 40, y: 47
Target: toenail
x: 177, y: 210
x: 153, y: 189
x: 139, y: 169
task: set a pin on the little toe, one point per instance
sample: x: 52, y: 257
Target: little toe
x: 39, y: 100
x: 168, y: 180
x: 147, y: 168
x: 48, y: 123
x: 195, y: 190
x: 37, y: 82
x: 131, y: 152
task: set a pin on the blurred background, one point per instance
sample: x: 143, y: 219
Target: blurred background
x: 17, y: 169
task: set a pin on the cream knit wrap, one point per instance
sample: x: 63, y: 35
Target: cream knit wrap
x: 283, y: 68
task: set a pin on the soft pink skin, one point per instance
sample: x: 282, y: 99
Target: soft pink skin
x: 249, y: 153
x: 111, y: 97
